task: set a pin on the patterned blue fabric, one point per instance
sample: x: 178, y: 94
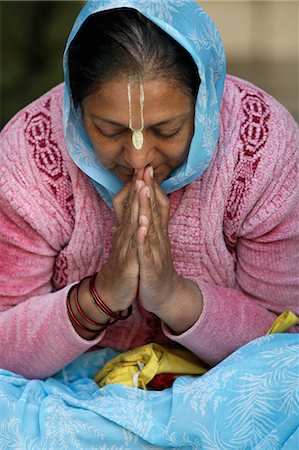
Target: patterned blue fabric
x: 187, y: 23
x: 248, y: 401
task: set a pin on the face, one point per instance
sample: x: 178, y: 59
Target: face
x: 167, y: 116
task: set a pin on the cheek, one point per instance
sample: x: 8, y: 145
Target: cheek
x: 108, y: 153
x: 176, y: 152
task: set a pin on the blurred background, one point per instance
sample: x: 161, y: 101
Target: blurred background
x: 260, y: 38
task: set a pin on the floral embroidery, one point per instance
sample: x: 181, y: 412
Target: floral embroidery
x: 253, y: 136
x: 48, y: 158
x: 59, y: 278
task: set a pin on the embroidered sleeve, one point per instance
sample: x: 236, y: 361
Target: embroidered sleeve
x: 37, y: 218
x: 261, y: 225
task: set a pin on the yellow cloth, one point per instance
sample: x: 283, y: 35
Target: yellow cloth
x: 283, y: 322
x: 137, y: 367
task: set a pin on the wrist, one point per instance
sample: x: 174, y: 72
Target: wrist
x: 87, y: 311
x: 80, y: 314
x: 183, y: 307
x: 88, y: 304
x: 112, y: 291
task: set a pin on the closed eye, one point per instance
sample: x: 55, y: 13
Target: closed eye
x: 164, y: 135
x: 114, y: 135
x: 156, y: 131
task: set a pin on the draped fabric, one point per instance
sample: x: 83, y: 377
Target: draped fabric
x: 248, y: 401
x: 191, y: 27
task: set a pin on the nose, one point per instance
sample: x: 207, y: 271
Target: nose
x: 139, y: 159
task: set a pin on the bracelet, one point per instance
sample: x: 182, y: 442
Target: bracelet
x: 102, y: 306
x: 88, y: 319
x: 75, y: 319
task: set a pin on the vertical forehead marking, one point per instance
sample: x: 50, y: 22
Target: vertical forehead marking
x: 137, y: 135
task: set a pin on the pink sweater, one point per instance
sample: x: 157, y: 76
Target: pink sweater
x: 234, y: 231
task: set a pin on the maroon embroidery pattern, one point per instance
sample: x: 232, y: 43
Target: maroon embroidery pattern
x: 59, y: 279
x: 252, y: 139
x: 48, y: 158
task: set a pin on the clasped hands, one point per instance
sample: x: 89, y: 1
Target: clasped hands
x: 140, y: 262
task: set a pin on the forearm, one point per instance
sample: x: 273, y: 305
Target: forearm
x: 183, y: 308
x: 229, y: 319
x: 90, y: 320
x: 37, y: 337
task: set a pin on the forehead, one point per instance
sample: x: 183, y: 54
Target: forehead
x: 162, y: 98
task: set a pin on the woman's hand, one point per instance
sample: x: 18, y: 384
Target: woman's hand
x: 158, y: 277
x: 140, y: 262
x: 176, y: 300
x: 117, y: 282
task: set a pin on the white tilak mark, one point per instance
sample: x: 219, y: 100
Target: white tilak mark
x: 137, y: 136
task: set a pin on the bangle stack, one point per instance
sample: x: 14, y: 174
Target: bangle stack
x: 102, y: 306
x: 99, y: 303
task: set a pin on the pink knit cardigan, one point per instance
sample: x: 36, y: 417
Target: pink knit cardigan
x: 234, y: 232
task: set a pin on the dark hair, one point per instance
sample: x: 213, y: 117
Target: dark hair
x: 122, y: 41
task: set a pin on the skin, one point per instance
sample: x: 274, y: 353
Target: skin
x: 140, y: 259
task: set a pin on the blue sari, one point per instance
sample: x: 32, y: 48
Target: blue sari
x: 248, y: 401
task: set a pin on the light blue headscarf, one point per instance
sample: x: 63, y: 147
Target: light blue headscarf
x: 189, y: 25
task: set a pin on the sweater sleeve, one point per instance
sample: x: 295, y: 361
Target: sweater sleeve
x: 266, y: 257
x: 37, y: 338
x: 267, y: 272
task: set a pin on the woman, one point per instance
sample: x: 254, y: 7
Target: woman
x: 161, y: 205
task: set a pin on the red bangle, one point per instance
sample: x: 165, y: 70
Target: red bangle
x: 72, y: 315
x: 103, y: 307
x: 88, y: 319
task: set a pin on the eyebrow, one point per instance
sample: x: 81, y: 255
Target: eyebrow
x: 163, y: 122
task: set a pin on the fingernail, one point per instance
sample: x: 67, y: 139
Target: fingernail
x: 148, y: 193
x: 143, y: 221
x: 138, y: 184
x: 151, y: 172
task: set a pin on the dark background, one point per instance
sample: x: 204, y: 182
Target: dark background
x: 33, y: 35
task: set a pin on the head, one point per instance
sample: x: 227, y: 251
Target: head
x: 127, y: 74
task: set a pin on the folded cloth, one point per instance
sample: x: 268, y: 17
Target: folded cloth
x: 283, y: 322
x: 138, y: 367
x: 155, y: 367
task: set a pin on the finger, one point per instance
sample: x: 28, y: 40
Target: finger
x: 156, y: 207
x: 118, y: 201
x: 144, y: 250
x: 123, y: 200
x: 163, y: 202
x: 145, y: 210
x: 142, y: 230
x: 125, y: 236
x: 133, y: 217
x: 129, y: 224
x: 148, y: 175
x: 139, y: 174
